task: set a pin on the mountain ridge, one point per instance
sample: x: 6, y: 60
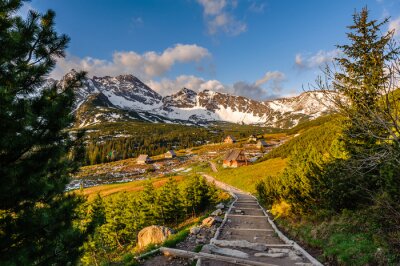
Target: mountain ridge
x: 128, y: 98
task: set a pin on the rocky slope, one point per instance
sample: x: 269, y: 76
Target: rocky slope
x: 125, y: 97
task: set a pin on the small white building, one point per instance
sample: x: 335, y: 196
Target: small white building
x: 143, y: 159
x: 230, y: 139
x: 170, y: 154
x: 252, y: 139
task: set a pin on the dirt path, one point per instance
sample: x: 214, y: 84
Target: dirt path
x: 213, y: 167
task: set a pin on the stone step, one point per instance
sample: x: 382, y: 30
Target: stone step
x: 248, y: 216
x: 250, y: 229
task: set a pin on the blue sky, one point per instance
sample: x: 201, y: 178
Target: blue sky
x: 257, y: 48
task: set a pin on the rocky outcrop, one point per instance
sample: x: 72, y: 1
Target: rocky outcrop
x: 154, y: 234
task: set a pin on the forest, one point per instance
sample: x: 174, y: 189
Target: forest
x: 115, y: 221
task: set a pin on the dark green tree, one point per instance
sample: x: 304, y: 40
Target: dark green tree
x: 170, y: 203
x: 36, y: 216
x: 148, y: 203
x: 365, y: 79
x: 365, y: 85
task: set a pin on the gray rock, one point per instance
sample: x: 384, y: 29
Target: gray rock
x: 201, y: 241
x: 271, y: 255
x: 279, y: 250
x: 295, y: 257
x: 217, y: 212
x: 153, y: 235
x: 228, y: 252
x: 239, y: 244
x: 220, y: 206
x: 195, y: 230
x: 218, y: 219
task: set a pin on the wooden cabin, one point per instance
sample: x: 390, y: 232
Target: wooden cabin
x: 170, y: 154
x: 235, y: 158
x: 143, y: 159
x: 230, y: 139
x: 252, y: 138
x: 262, y: 144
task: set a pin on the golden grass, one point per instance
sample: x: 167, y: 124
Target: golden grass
x: 246, y: 177
x: 130, y: 187
x: 274, y: 136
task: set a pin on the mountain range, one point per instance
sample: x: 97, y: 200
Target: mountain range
x: 126, y: 98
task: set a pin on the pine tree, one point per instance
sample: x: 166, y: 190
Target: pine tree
x: 36, y: 221
x: 366, y: 75
x: 170, y: 203
x: 148, y: 203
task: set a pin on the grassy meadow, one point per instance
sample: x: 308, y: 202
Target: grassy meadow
x: 246, y: 177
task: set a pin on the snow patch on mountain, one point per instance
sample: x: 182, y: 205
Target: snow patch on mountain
x: 125, y: 97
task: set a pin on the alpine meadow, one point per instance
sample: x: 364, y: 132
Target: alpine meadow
x: 199, y: 132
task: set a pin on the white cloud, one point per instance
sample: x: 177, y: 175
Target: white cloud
x: 219, y: 18
x: 212, y: 7
x: 316, y: 60
x: 274, y: 76
x: 273, y: 81
x: 257, y: 7
x: 395, y: 25
x: 147, y: 65
x: 168, y: 86
x: 267, y: 87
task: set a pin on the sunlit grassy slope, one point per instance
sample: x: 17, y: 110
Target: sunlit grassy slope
x: 130, y: 187
x: 246, y: 177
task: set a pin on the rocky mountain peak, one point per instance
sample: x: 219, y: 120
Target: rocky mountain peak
x: 121, y: 96
x: 186, y: 91
x: 185, y: 98
x: 128, y: 78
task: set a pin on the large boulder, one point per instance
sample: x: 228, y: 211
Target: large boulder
x: 208, y: 222
x: 154, y: 234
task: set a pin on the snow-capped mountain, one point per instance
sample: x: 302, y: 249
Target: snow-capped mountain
x: 125, y: 98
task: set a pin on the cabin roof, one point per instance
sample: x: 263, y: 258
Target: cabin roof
x: 231, y: 137
x: 262, y: 142
x: 232, y: 155
x: 171, y: 152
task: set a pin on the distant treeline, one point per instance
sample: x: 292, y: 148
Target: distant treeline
x: 117, y: 141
